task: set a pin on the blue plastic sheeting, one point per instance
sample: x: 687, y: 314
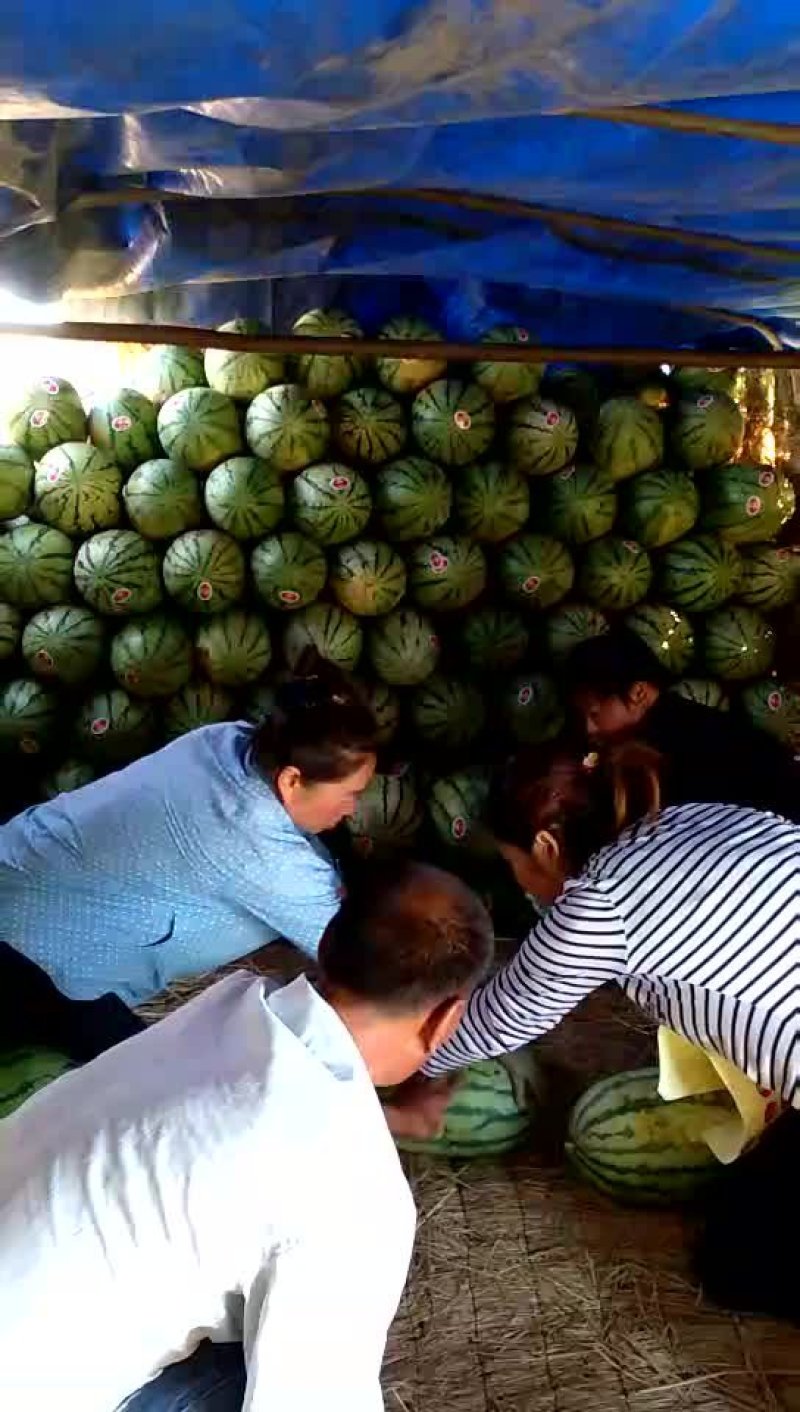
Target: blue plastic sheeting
x: 194, y: 159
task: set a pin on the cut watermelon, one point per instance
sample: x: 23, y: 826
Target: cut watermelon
x: 244, y: 497
x: 581, y: 504
x: 234, y: 648
x: 615, y: 573
x: 447, y: 712
x: 387, y: 816
x: 64, y: 644
x: 242, y: 375
x: 204, y: 571
x: 125, y: 428
x: 412, y: 498
x: 10, y: 630
x: 703, y: 692
x: 666, y: 632
x: 658, y: 507
x: 746, y: 503
x: 494, y: 639
x: 403, y: 647
x: 330, y: 503
x: 334, y: 633
x: 570, y: 624
x: 163, y: 499
x: 738, y: 643
x: 49, y: 412
x: 775, y: 708
x: 532, y: 708
x: 199, y: 428
x: 152, y: 656
x: 446, y: 573
x: 28, y: 717
x: 287, y: 428
x: 770, y: 576
x: 113, y: 728
x: 35, y: 566
x: 369, y: 425
x: 197, y: 704
x: 707, y: 431
x: 492, y: 501
x: 367, y: 577
x: 453, y: 422
x: 542, y: 437
x: 117, y: 572
x: 409, y: 375
x: 699, y: 574
x: 536, y: 571
x: 77, y: 489
x: 170, y: 368
x: 16, y: 481
x: 629, y: 437
x: 507, y: 382
x: 289, y: 571
x: 328, y: 374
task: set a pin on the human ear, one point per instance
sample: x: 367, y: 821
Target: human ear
x: 642, y: 695
x: 440, y: 1023
x: 546, y: 851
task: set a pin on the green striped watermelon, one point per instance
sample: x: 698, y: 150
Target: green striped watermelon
x: 628, y: 438
x: 535, y: 570
x: 24, y: 1071
x: 64, y: 644
x: 492, y: 501
x: 10, y: 630
x: 287, y: 428
x: 507, y: 382
x: 330, y: 503
x: 489, y: 1114
x: 658, y: 507
x: 289, y: 571
x: 412, y: 498
x: 259, y: 702
x: 199, y: 428
x: 409, y: 375
x: 16, y: 481
x: 113, y: 728
x: 403, y: 647
x: 242, y: 375
x: 28, y: 716
x: 494, y: 639
x: 746, y: 503
x: 667, y: 633
x: 370, y: 425
x: 542, y: 437
x: 234, y: 648
x: 152, y: 656
x: 69, y: 775
x: 738, y: 643
x: 775, y: 708
x: 367, y: 577
x: 334, y: 633
x: 570, y: 624
x: 615, y: 573
x: 532, y: 708
x: 628, y: 1143
x: 35, y: 566
x: 707, y: 430
x: 690, y: 381
x: 125, y: 427
x: 456, y: 804
x: 387, y: 816
x: 453, y: 422
x: 446, y: 573
x: 244, y: 497
x: 703, y: 692
x: 168, y: 368
x: 328, y: 374
x: 699, y: 573
x: 163, y: 499
x: 196, y: 704
x: 117, y: 571
x: 77, y: 489
x: 573, y: 387
x: 770, y: 576
x: 204, y: 571
x: 581, y: 504
x: 447, y: 712
x: 384, y: 706
x: 49, y: 412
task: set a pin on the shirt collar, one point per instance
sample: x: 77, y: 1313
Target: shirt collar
x: 315, y: 1023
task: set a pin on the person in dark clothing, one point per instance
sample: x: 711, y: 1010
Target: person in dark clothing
x: 619, y: 689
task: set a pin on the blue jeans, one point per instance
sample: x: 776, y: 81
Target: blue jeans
x: 211, y: 1380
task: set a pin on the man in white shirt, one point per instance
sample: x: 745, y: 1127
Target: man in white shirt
x: 229, y: 1176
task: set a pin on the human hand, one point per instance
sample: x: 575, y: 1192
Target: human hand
x: 417, y: 1109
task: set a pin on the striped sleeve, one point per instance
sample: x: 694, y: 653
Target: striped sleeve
x: 577, y: 947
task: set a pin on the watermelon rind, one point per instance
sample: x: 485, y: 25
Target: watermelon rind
x: 234, y: 648
x: 387, y: 816
x: 169, y: 368
x: 707, y: 430
x: 615, y: 573
x: 163, y: 499
x: 332, y: 632
x: 152, y: 656
x: 455, y: 805
x: 329, y: 503
x: 494, y: 639
x: 738, y: 643
x: 746, y: 503
x: 628, y: 437
x: 492, y: 501
x: 204, y: 571
x: 447, y: 712
x: 77, y: 489
x: 64, y: 644
x: 288, y: 428
x: 536, y: 571
x: 242, y: 375
x: 703, y: 691
x: 71, y: 774
x: 699, y: 573
x: 113, y: 727
x: 409, y: 375
x: 581, y: 504
x: 369, y: 426
x: 770, y: 576
x: 35, y: 566
x: 23, y: 1072
x: 16, y: 481
x: 328, y: 374
x: 403, y: 647
x: 484, y: 1118
x: 666, y: 632
x: 658, y: 507
x: 29, y: 715
x: 570, y: 624
x: 10, y: 630
x: 446, y: 573
x: 532, y: 708
x: 199, y: 428
x: 125, y: 428
x: 542, y: 436
x: 367, y: 577
x: 49, y: 412
x: 384, y: 705
x: 507, y: 382
x: 118, y: 572
x: 412, y: 498
x: 453, y: 422
x: 573, y: 387
x: 694, y: 380
x: 196, y: 704
x: 289, y: 571
x: 244, y: 497
x: 774, y: 707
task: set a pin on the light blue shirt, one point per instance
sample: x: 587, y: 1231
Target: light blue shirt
x: 178, y: 864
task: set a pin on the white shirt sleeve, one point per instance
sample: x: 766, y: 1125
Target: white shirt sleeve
x: 579, y: 945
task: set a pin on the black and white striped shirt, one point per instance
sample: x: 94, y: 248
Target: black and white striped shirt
x: 696, y: 915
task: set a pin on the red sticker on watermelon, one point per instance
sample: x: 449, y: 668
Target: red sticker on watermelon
x: 553, y: 418
x: 766, y: 478
x: 121, y: 423
x: 44, y: 660
x: 753, y: 505
x: 631, y: 546
x: 340, y: 483
x: 51, y: 386
x: 775, y: 700
x: 132, y: 677
x: 438, y: 562
x: 99, y: 725
x: 29, y: 745
x: 462, y: 420
x: 706, y: 401
x: 205, y: 591
x: 39, y: 418
x: 525, y: 695
x: 531, y: 584
x: 289, y: 595
x: 53, y: 476
x: 521, y: 335
x: 122, y: 595
x: 434, y: 642
x: 458, y: 828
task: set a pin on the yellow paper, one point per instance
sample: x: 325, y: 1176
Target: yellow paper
x: 685, y: 1069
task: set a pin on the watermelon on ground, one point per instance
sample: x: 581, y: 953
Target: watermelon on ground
x: 24, y: 1071
x: 234, y: 648
x: 570, y: 624
x: 384, y: 707
x: 703, y: 692
x: 699, y: 573
x: 196, y: 704
x: 535, y: 570
x: 453, y: 422
x: 507, y: 382
x: 775, y: 708
x: 542, y: 436
x: 770, y: 576
x: 289, y: 571
x: 244, y: 497
x: 488, y: 1115
x: 658, y: 506
x: 169, y: 368
x: 330, y: 503
x: 113, y: 728
x: 492, y: 501
x: 10, y: 630
x: 69, y: 775
x: 49, y: 412
x: 335, y: 635
x: 64, y: 644
x: 707, y: 430
x: 403, y: 647
x: 456, y: 805
x: 125, y: 428
x: 287, y: 428
x: 369, y: 425
x: 152, y: 656
x: 668, y: 634
x: 615, y: 573
x: 199, y: 428
x: 581, y: 504
x: 409, y: 375
x: 28, y: 716
x: 367, y: 577
x: 628, y: 437
x: 16, y: 481
x: 446, y: 711
x: 738, y: 643
x: 446, y: 573
x: 242, y: 375
x: 163, y: 499
x: 117, y: 572
x: 494, y: 639
x: 328, y: 374
x: 412, y: 497
x: 532, y: 708
x: 387, y: 816
x: 77, y: 489
x: 746, y: 503
x: 204, y: 571
x: 35, y: 566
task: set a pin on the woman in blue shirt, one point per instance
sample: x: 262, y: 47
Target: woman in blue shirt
x: 183, y: 861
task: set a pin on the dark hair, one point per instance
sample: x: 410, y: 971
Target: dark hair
x: 320, y: 724
x: 407, y: 934
x: 611, y: 665
x: 585, y: 801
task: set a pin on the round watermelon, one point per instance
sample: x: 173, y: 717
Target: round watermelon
x: 244, y: 497
x: 699, y: 573
x: 628, y: 438
x: 447, y: 712
x: 532, y: 708
x: 125, y: 428
x: 48, y: 413
x: 403, y: 647
x: 35, y: 566
x: 542, y: 437
x: 370, y: 425
x: 169, y: 368
x: 774, y: 708
x: 666, y: 632
x: 615, y: 573
x: 204, y: 571
x: 384, y: 707
x: 707, y: 430
x: 117, y: 571
x: 490, y: 1112
x: 446, y: 573
x: 24, y: 1071
x: 387, y: 816
x: 412, y: 497
x: 738, y: 643
x: 258, y: 703
x: 10, y: 630
x: 196, y: 704
x: 746, y: 503
x: 770, y: 576
x: 28, y: 716
x: 289, y: 571
x: 242, y: 375
x: 333, y: 633
x: 535, y: 570
x: 152, y: 656
x: 580, y: 505
x: 234, y: 648
x: 703, y: 692
x: 330, y: 503
x: 77, y: 489
x: 456, y: 805
x: 287, y: 428
x: 690, y: 381
x: 570, y: 624
x: 64, y: 644
x: 328, y: 374
x: 162, y: 499
x: 658, y: 507
x: 69, y: 775
x: 113, y: 728
x: 507, y: 382
x: 573, y: 387
x: 16, y: 481
x: 409, y: 375
x: 492, y: 501
x: 453, y: 422
x: 367, y: 577
x: 494, y: 639
x: 199, y: 428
